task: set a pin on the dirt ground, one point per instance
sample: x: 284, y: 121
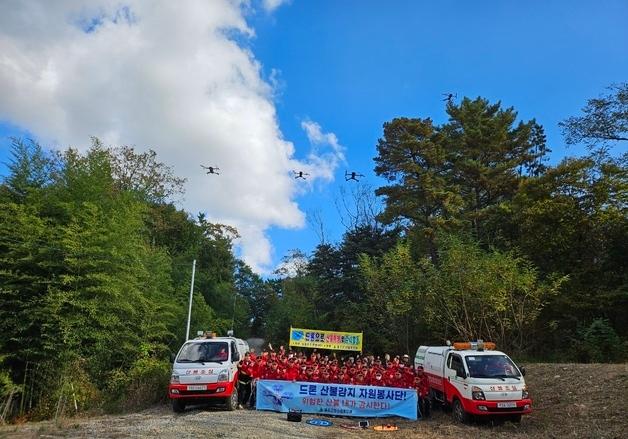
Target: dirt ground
x: 570, y: 401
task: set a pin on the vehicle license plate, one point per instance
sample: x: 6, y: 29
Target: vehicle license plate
x: 197, y: 387
x: 506, y: 405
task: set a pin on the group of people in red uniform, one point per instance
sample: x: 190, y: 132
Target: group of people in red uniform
x: 360, y: 370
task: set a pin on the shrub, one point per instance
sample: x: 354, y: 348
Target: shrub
x: 139, y: 387
x: 64, y: 390
x: 599, y: 343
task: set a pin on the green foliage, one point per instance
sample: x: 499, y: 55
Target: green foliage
x: 489, y: 295
x: 30, y: 169
x: 7, y: 386
x: 599, y: 343
x: 450, y: 178
x: 394, y: 313
x: 91, y: 277
x: 604, y: 119
x: 142, y: 385
x: 573, y: 221
x: 470, y: 294
x: 55, y: 388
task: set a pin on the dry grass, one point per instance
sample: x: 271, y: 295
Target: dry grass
x: 569, y: 401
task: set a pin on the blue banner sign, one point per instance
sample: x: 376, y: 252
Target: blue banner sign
x: 336, y: 399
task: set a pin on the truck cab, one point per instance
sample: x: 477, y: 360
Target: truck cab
x: 475, y: 380
x: 206, y: 369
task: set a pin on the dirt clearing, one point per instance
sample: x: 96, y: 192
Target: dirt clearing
x: 570, y: 401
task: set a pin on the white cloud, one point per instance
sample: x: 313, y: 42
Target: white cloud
x: 322, y: 164
x: 165, y: 76
x: 271, y: 5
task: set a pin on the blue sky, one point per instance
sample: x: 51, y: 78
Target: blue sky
x: 352, y: 65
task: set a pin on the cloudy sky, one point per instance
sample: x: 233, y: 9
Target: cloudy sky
x: 264, y: 87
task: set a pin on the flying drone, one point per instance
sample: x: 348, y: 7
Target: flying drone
x: 449, y: 97
x: 352, y: 176
x: 211, y: 169
x: 300, y: 174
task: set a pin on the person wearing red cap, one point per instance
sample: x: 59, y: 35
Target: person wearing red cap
x: 344, y: 377
x: 272, y: 372
x: 325, y: 377
x: 397, y: 380
x: 309, y: 375
x: 291, y: 373
x: 359, y: 380
x: 378, y: 379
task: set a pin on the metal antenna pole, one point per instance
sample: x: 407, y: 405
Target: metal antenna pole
x: 234, y: 307
x: 187, y: 331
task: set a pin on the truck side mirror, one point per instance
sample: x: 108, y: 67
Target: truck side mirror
x: 461, y: 373
x: 235, y: 356
x: 172, y: 357
x: 523, y: 370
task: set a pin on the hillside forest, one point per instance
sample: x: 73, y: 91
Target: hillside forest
x: 472, y: 235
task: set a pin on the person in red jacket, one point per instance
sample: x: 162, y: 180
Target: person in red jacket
x: 422, y: 389
x: 397, y: 380
x: 325, y: 377
x: 309, y: 375
x: 365, y: 373
x: 359, y: 380
x: 256, y: 368
x: 408, y: 377
x: 292, y: 372
x: 272, y: 372
x: 378, y: 379
x: 245, y: 378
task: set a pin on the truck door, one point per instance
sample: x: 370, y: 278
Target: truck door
x: 454, y: 374
x: 235, y: 358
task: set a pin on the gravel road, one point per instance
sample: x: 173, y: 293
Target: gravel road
x: 212, y: 422
x: 160, y: 422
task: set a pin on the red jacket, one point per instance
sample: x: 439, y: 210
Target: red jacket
x: 270, y: 374
x: 291, y: 374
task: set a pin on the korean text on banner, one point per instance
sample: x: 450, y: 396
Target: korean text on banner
x: 314, y: 338
x: 336, y: 399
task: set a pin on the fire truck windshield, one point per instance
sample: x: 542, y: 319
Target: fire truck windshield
x: 491, y: 366
x: 206, y: 352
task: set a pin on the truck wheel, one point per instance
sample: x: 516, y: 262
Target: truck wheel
x: 178, y: 406
x: 232, y: 401
x: 458, y: 412
x: 515, y: 418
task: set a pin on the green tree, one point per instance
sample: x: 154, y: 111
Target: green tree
x: 452, y: 177
x: 257, y: 293
x: 573, y: 221
x: 412, y: 158
x: 91, y: 285
x: 489, y: 295
x: 142, y: 174
x: 604, y: 119
x: 393, y: 314
x: 30, y: 169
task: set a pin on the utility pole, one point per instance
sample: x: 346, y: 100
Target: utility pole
x: 187, y: 331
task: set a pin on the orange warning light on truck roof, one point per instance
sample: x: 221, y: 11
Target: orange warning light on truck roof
x: 473, y: 345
